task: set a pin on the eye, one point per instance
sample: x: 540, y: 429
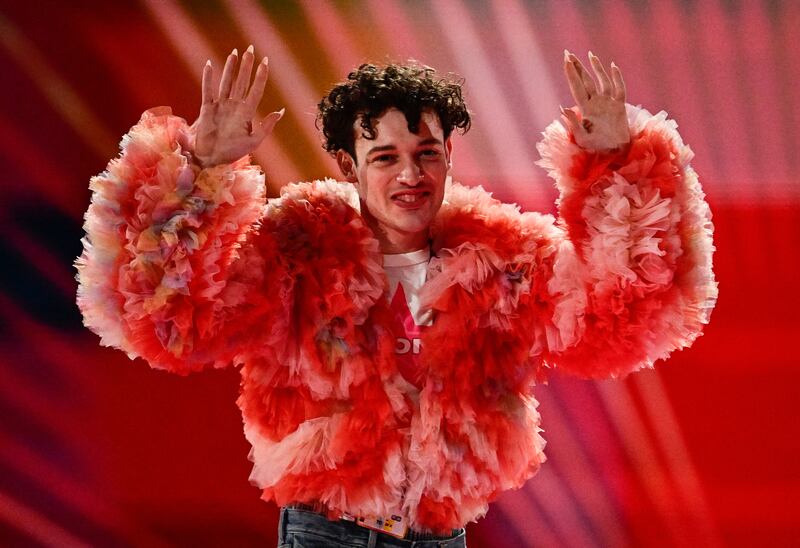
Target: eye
x: 430, y: 153
x: 383, y: 158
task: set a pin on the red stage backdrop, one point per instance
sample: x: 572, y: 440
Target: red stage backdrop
x: 703, y: 451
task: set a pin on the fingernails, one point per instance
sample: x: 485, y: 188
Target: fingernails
x: 613, y: 65
x: 281, y: 112
x: 235, y: 52
x: 208, y: 63
x: 265, y: 60
x: 566, y: 55
x: 249, y: 49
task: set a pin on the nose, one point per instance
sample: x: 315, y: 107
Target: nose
x: 410, y: 173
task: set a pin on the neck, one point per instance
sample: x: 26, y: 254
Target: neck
x: 395, y: 241
x: 402, y: 244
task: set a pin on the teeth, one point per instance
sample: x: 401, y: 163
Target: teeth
x: 409, y: 197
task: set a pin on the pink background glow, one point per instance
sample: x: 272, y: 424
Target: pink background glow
x: 703, y: 451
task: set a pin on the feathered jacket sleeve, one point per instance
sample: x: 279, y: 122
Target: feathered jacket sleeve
x: 630, y: 278
x: 169, y: 256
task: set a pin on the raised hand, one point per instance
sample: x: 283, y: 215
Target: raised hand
x: 228, y: 127
x: 598, y: 122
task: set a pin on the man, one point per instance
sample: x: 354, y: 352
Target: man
x: 390, y: 328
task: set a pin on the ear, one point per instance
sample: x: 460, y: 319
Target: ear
x: 448, y: 148
x: 347, y: 165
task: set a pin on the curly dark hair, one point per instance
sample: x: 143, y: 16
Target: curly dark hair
x: 370, y: 90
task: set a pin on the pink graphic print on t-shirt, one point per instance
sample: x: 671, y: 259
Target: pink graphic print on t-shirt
x: 409, y: 336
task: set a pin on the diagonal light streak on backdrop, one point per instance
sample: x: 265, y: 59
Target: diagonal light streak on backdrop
x: 528, y: 521
x: 766, y: 114
x: 534, y: 83
x: 56, y: 90
x: 557, y: 504
x: 39, y: 408
x: 286, y: 74
x: 398, y: 31
x: 589, y: 493
x: 554, y: 512
x: 42, y: 259
x: 51, y: 183
x: 584, y: 409
x: 672, y: 445
x: 77, y: 496
x: 534, y: 78
x: 402, y: 39
x: 194, y: 50
x: 788, y: 21
x: 346, y: 54
x: 334, y: 34
x: 678, y: 75
x: 643, y: 455
x: 466, y: 47
x: 571, y: 33
x: 475, y: 146
x: 715, y: 47
x: 41, y: 529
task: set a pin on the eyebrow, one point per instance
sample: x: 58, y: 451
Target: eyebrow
x: 384, y: 148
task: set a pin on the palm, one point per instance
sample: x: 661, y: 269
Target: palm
x: 224, y: 132
x: 227, y: 127
x: 599, y: 121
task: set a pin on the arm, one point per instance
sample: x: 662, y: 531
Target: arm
x: 171, y: 252
x: 632, y: 280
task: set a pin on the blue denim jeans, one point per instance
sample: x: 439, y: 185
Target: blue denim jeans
x: 300, y: 528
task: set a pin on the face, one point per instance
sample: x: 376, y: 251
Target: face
x: 400, y: 178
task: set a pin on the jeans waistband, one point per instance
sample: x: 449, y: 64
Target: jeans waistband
x: 411, y: 535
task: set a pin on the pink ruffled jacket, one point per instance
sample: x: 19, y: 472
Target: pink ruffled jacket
x: 191, y: 268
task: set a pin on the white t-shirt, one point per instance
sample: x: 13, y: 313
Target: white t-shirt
x: 406, y: 273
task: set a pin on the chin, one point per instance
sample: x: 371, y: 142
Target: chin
x: 410, y: 226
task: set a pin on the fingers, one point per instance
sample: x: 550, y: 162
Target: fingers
x: 226, y: 82
x: 588, y: 82
x: 606, y: 86
x: 237, y: 88
x: 571, y: 120
x: 619, y: 83
x: 259, y: 83
x: 574, y: 80
x: 582, y: 84
x: 206, y: 86
x: 267, y: 124
x: 243, y: 77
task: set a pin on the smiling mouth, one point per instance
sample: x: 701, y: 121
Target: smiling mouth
x: 405, y: 199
